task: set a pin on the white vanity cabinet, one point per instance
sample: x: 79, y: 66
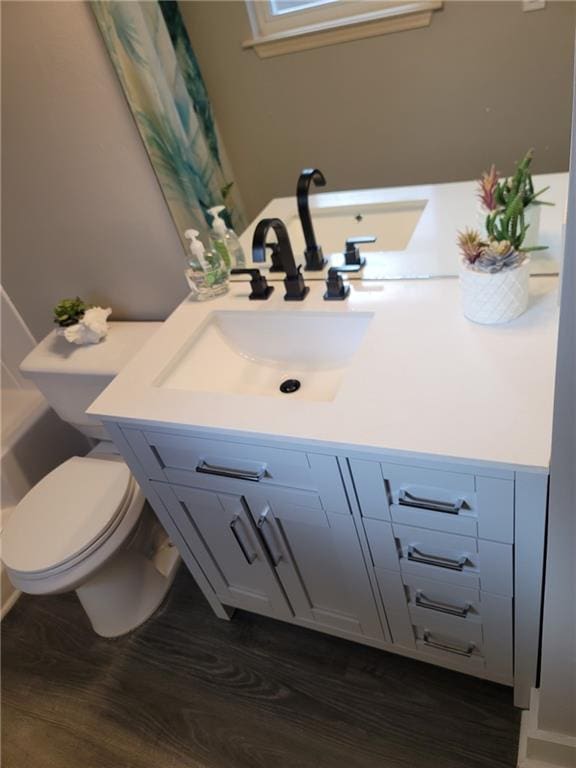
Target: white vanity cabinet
x: 271, y: 528
x: 439, y: 561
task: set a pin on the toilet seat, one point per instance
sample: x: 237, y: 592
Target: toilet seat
x: 67, y: 516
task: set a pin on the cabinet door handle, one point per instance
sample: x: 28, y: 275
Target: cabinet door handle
x: 407, y: 499
x: 454, y: 564
x: 434, y: 605
x: 262, y: 520
x: 460, y: 651
x: 255, y: 475
x: 248, y: 557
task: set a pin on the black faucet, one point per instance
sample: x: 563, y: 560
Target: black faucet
x: 315, y: 260
x: 296, y: 290
x: 258, y: 284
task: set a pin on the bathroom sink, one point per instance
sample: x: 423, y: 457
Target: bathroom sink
x: 254, y: 352
x: 391, y: 223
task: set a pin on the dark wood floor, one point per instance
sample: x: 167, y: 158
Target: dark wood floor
x: 190, y: 691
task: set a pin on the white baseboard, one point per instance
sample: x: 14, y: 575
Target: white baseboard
x: 8, y: 601
x: 543, y: 749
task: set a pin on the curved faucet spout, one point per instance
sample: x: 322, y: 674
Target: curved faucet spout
x: 285, y: 252
x: 313, y: 253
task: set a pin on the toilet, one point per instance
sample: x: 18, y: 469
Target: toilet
x: 86, y: 526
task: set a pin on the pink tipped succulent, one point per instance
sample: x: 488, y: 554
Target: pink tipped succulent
x: 471, y: 245
x: 487, y: 188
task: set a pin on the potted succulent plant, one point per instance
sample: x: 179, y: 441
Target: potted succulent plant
x: 495, y: 192
x: 79, y: 322
x: 496, y: 268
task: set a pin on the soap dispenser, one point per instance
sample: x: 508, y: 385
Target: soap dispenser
x: 225, y: 240
x: 206, y: 272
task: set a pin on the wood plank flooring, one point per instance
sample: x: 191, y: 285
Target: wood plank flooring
x: 190, y: 691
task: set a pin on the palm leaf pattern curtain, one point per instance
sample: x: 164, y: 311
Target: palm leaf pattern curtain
x: 151, y: 52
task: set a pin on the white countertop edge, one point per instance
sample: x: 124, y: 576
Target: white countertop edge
x: 429, y: 460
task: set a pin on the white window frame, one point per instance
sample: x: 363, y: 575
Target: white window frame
x: 337, y: 22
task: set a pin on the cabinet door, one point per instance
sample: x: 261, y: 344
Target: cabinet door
x: 318, y: 558
x: 221, y: 534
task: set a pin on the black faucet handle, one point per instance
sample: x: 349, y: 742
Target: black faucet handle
x: 352, y: 252
x: 275, y: 257
x: 336, y: 288
x: 296, y: 288
x: 260, y: 288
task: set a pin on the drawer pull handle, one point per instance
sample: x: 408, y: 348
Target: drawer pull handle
x: 434, y: 605
x: 260, y: 525
x: 254, y: 475
x: 249, y: 558
x: 416, y: 556
x: 407, y: 499
x: 431, y: 643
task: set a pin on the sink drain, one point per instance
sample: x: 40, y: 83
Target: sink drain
x: 289, y: 386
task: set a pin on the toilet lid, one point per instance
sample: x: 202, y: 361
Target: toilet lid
x: 65, y: 513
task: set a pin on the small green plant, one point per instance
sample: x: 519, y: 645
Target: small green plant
x: 496, y: 192
x: 520, y: 185
x: 69, y: 312
x: 506, y: 200
x: 507, y: 224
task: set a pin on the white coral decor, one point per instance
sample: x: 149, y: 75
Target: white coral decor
x: 495, y: 297
x: 91, y: 328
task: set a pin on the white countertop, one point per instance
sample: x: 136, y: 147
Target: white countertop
x: 425, y: 381
x: 431, y: 249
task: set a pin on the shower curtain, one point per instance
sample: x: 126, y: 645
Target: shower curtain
x: 151, y: 52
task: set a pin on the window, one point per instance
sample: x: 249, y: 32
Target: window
x: 285, y: 26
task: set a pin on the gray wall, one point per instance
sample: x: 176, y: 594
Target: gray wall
x: 82, y: 211
x: 481, y: 84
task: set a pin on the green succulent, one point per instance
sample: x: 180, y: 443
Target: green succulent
x: 69, y: 311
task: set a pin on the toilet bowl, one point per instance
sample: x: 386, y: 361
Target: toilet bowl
x: 87, y: 527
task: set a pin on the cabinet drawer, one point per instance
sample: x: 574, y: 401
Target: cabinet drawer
x: 464, y: 630
x: 470, y: 505
x: 438, y: 597
x: 486, y: 625
x: 467, y: 651
x: 459, y: 560
x: 487, y: 636
x: 228, y: 465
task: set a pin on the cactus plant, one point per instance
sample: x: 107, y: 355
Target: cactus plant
x: 507, y: 190
x: 507, y: 223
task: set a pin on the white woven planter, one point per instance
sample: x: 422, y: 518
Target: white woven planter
x: 494, y: 298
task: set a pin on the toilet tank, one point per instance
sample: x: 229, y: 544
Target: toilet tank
x: 71, y: 377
